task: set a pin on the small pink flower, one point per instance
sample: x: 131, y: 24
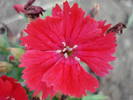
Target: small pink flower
x: 58, y: 44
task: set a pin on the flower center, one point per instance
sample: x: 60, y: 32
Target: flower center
x: 67, y: 51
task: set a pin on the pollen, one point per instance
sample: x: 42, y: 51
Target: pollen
x: 67, y: 50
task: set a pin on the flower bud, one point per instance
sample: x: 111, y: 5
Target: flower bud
x: 16, y: 52
x: 3, y: 38
x: 5, y: 66
x: 11, y: 58
x: 30, y: 11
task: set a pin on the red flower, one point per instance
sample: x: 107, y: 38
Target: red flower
x: 57, y: 44
x: 11, y: 90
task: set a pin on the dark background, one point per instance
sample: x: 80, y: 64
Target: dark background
x: 119, y: 84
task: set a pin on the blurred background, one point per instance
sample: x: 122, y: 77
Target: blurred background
x: 118, y: 85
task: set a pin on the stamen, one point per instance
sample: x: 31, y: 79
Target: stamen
x: 64, y: 49
x: 66, y: 56
x: 58, y: 51
x: 75, y: 46
x: 76, y: 58
x: 67, y: 51
x: 64, y: 44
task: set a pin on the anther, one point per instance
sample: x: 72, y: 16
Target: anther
x: 58, y: 51
x: 76, y: 58
x: 66, y: 55
x: 64, y: 44
x: 70, y: 49
x: 75, y: 46
x: 64, y: 49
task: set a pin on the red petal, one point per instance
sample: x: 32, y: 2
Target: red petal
x: 44, y: 34
x: 70, y: 78
x: 19, y: 93
x: 57, y: 11
x: 98, y: 53
x: 19, y: 8
x: 9, y: 87
x: 38, y: 63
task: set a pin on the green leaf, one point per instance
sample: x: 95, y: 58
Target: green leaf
x: 4, y: 43
x: 72, y: 98
x: 16, y: 73
x: 17, y: 52
x: 95, y: 97
x: 54, y: 98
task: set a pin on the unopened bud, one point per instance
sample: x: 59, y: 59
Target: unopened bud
x: 3, y: 44
x: 30, y: 11
x: 118, y: 28
x: 5, y: 66
x: 11, y: 58
x: 29, y: 3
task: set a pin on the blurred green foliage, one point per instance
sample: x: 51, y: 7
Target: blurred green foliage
x: 95, y: 97
x: 4, y: 44
x: 130, y: 20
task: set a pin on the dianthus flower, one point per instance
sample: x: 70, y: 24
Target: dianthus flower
x: 56, y: 45
x: 11, y: 90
